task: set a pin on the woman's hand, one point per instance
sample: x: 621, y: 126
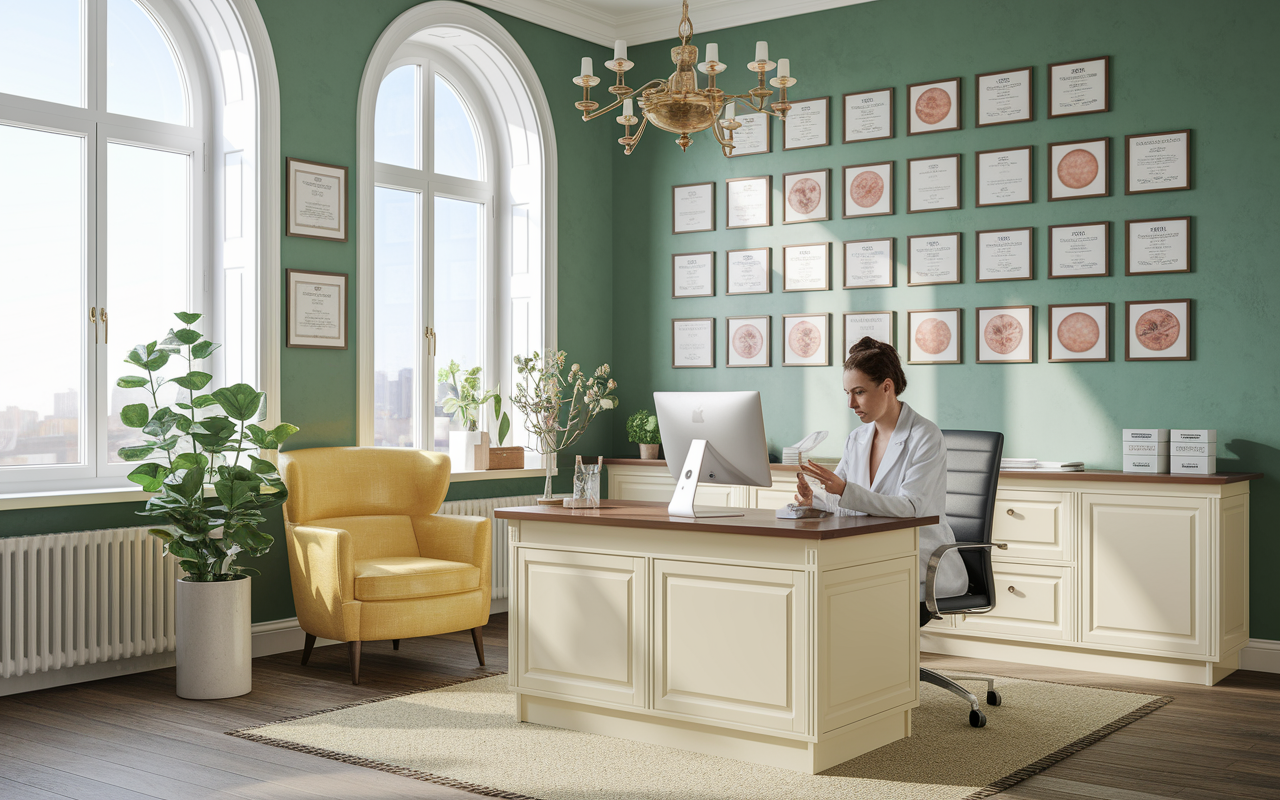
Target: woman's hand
x: 830, y: 481
x: 804, y: 492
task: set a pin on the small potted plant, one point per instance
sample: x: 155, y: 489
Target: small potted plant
x: 503, y: 457
x: 464, y: 404
x: 642, y: 428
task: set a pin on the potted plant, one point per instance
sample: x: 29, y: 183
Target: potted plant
x: 503, y: 457
x: 205, y: 532
x: 464, y: 405
x: 642, y: 428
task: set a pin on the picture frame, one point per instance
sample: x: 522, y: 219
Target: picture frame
x: 316, y: 197
x: 1157, y: 162
x: 749, y: 271
x: 1005, y: 255
x: 806, y: 340
x: 806, y: 196
x: 693, y: 207
x: 808, y: 124
x: 693, y: 275
x: 868, y: 116
x: 1004, y: 97
x: 870, y: 263
x: 1079, y: 332
x: 316, y: 309
x: 1080, y: 169
x: 933, y: 259
x: 693, y: 343
x: 934, y: 336
x: 752, y: 138
x: 933, y: 107
x: 1002, y: 177
x: 1080, y: 251
x: 1157, y: 246
x: 868, y: 190
x: 1077, y: 87
x: 748, y: 202
x: 747, y: 342
x: 1157, y: 330
x: 879, y: 325
x: 933, y: 183
x: 1006, y: 334
x: 806, y: 267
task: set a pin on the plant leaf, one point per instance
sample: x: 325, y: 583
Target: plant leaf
x: 195, y: 381
x: 241, y: 402
x: 135, y: 453
x: 504, y: 426
x: 131, y: 382
x: 261, y: 466
x: 203, y: 401
x: 135, y: 415
x: 204, y: 349
x: 186, y: 335
x: 215, y: 433
x: 149, y: 476
x: 161, y: 422
x: 186, y: 317
x: 190, y: 461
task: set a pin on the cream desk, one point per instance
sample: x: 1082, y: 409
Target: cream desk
x: 792, y: 643
x: 1143, y: 575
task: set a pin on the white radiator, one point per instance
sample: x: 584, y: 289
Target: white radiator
x: 484, y: 507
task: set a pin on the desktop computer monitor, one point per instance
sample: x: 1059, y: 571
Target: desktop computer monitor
x: 712, y: 437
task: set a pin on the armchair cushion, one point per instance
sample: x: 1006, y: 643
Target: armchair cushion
x: 375, y: 536
x: 401, y: 578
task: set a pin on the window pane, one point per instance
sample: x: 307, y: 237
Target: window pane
x: 458, y: 265
x: 41, y: 246
x: 40, y: 50
x: 143, y: 77
x: 457, y: 147
x: 395, y: 328
x: 395, y: 120
x: 148, y: 265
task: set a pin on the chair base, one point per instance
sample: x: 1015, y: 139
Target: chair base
x: 353, y: 651
x: 976, y: 716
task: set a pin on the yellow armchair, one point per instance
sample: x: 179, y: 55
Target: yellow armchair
x: 369, y: 557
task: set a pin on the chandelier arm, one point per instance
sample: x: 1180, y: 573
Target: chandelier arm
x: 644, y: 122
x: 617, y: 102
x: 725, y: 141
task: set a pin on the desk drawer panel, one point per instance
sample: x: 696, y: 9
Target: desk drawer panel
x: 1033, y: 524
x: 1031, y: 601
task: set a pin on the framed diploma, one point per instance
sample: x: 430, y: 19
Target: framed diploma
x: 1079, y: 87
x: 933, y: 336
x: 868, y: 264
x: 868, y: 190
x: 868, y: 116
x: 1006, y: 255
x: 748, y: 271
x: 807, y: 124
x: 1157, y: 330
x: 748, y: 202
x: 316, y: 198
x: 1080, y: 251
x: 693, y: 275
x: 747, y: 342
x: 693, y: 208
x: 1157, y: 245
x: 806, y: 267
x: 693, y: 343
x: 1080, y: 332
x: 1004, y: 97
x: 879, y: 325
x: 805, y: 196
x: 1157, y: 162
x: 752, y: 139
x: 804, y: 340
x: 316, y: 309
x: 933, y: 259
x: 933, y: 107
x: 1003, y: 177
x: 933, y: 184
x: 1006, y: 335
x: 1079, y: 169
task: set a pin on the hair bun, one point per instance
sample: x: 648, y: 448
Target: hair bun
x: 864, y: 344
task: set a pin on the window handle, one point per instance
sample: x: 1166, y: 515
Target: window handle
x: 106, y: 328
x: 430, y: 333
x: 93, y: 317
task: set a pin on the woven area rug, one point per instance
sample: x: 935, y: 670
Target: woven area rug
x: 465, y: 736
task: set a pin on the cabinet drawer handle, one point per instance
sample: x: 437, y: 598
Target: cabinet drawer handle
x: 1012, y: 590
x: 1009, y: 512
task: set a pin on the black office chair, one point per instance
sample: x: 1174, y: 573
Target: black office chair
x: 973, y: 469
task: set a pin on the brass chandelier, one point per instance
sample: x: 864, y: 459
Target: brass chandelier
x: 677, y: 104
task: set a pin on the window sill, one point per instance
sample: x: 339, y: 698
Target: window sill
x: 498, y: 474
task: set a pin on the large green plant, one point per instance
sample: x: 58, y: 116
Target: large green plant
x: 205, y: 534
x: 469, y: 398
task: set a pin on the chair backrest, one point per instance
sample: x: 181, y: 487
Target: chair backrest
x: 328, y: 482
x: 973, y: 469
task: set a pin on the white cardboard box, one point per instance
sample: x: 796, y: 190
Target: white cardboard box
x: 1193, y: 436
x: 1146, y: 448
x: 1156, y: 465
x: 1200, y: 449
x: 1193, y: 465
x: 1145, y: 435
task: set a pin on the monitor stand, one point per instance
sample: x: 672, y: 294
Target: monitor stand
x: 682, y: 501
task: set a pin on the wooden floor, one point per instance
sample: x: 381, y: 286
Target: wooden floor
x: 131, y: 737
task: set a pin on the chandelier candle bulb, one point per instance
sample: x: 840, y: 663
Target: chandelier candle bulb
x: 784, y: 68
x: 586, y: 67
x: 627, y: 110
x: 762, y: 51
x: 713, y: 52
x: 729, y: 111
x: 620, y: 50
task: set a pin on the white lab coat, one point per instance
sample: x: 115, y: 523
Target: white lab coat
x: 911, y: 482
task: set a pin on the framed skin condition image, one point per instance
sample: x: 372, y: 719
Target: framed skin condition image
x: 1157, y: 330
x: 1157, y: 245
x: 808, y: 124
x: 752, y: 139
x: 933, y: 107
x: 933, y: 184
x: 933, y: 259
x: 805, y: 340
x: 1006, y: 255
x: 693, y: 343
x: 693, y: 275
x: 1080, y: 332
x: 1004, y: 97
x: 1079, y: 169
x: 747, y: 341
x: 868, y: 264
x: 748, y: 202
x: 806, y: 196
x: 868, y: 190
x: 748, y: 271
x: 1080, y: 251
x: 1002, y: 177
x: 806, y: 267
x: 879, y: 325
x: 1006, y: 335
x: 933, y: 336
x: 316, y: 200
x: 1079, y: 87
x: 693, y: 208
x: 316, y: 309
x: 1157, y: 162
x: 868, y: 116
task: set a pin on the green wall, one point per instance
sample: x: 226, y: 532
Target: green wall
x: 1177, y: 64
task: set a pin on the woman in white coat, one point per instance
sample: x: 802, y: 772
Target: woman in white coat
x: 894, y: 465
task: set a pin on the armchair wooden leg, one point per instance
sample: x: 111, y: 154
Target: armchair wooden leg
x: 395, y: 644
x: 477, y: 638
x: 354, y: 649
x: 306, y: 649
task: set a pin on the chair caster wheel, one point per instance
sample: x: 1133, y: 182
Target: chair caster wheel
x: 993, y: 698
x: 977, y: 719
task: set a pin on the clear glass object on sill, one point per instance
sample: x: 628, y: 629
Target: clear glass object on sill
x: 586, y: 484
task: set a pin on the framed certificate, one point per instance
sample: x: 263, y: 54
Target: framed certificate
x: 933, y: 259
x: 1006, y: 255
x: 1079, y: 169
x: 693, y: 208
x: 1004, y: 97
x: 807, y: 124
x: 316, y: 199
x: 805, y: 340
x: 752, y: 139
x: 693, y: 275
x: 1157, y: 245
x: 1006, y: 335
x: 1157, y: 162
x: 868, y: 264
x: 1079, y: 87
x: 1080, y: 251
x: 693, y: 343
x: 1157, y: 330
x: 933, y: 336
x: 933, y: 107
x: 1080, y: 332
x: 748, y: 271
x: 747, y: 342
x: 868, y: 190
x: 933, y: 184
x: 748, y: 202
x: 879, y: 325
x: 806, y: 267
x: 316, y: 309
x: 1003, y: 177
x: 868, y: 116
x: 805, y: 196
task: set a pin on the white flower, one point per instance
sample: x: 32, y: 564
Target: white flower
x: 606, y: 403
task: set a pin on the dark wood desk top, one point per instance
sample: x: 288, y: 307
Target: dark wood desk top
x: 754, y: 522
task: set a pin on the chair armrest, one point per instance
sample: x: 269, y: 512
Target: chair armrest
x: 468, y: 540
x: 931, y: 573
x: 325, y: 563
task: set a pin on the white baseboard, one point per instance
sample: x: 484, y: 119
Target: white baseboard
x: 1261, y: 655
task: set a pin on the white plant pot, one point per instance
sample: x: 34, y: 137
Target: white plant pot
x: 649, y: 450
x: 215, y: 640
x: 462, y: 449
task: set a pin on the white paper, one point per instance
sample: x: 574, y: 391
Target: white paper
x: 693, y: 275
x: 806, y: 124
x: 1158, y: 246
x: 748, y: 271
x: 747, y: 202
x: 1159, y: 162
x: 804, y: 267
x: 1004, y: 177
x: 691, y: 343
x: 1078, y: 250
x: 753, y: 137
x: 1004, y: 97
x: 1078, y: 88
x: 933, y: 183
x: 693, y: 208
x: 868, y: 263
x: 1004, y: 255
x: 868, y: 115
x: 811, y: 441
x: 933, y: 259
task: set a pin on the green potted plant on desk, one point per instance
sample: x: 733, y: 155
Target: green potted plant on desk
x: 642, y: 429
